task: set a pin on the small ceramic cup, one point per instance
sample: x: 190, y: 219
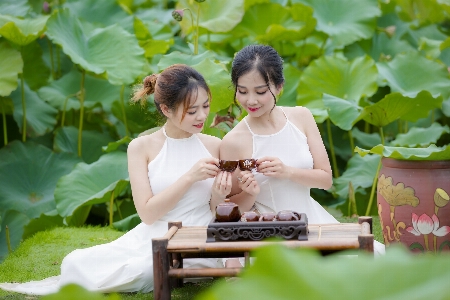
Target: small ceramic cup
x: 247, y: 164
x: 228, y: 165
x: 249, y: 216
x: 287, y: 215
x: 268, y: 217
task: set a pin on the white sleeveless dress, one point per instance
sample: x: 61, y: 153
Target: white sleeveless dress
x: 126, y: 264
x: 290, y: 145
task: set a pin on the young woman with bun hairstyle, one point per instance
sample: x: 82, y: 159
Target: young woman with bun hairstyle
x: 285, y: 141
x: 174, y: 177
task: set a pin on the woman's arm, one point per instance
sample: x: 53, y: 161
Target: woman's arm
x: 318, y: 177
x: 152, y: 207
x: 234, y: 147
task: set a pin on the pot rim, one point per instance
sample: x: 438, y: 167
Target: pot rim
x: 414, y: 164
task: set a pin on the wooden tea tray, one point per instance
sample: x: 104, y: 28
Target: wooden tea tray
x: 255, y: 231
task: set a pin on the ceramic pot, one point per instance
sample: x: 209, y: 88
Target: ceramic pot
x: 287, y: 215
x: 249, y: 216
x: 413, y: 204
x: 268, y: 217
x: 247, y: 164
x: 228, y: 165
x: 227, y: 212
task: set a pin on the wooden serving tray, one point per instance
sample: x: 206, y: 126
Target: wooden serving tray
x: 255, y: 231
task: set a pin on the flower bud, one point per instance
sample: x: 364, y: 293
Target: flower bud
x: 46, y: 7
x: 178, y: 14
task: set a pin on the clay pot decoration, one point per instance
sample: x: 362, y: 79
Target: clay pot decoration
x: 247, y: 164
x: 249, y: 216
x: 268, y: 217
x: 287, y: 215
x: 227, y: 212
x: 228, y: 165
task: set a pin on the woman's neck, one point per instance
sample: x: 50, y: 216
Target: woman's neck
x: 272, y: 120
x: 175, y: 132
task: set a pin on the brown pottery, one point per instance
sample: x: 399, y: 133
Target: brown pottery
x: 247, y: 164
x: 249, y: 216
x: 413, y: 204
x: 287, y: 215
x: 227, y: 212
x: 228, y: 165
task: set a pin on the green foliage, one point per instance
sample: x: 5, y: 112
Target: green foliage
x: 375, y: 73
x: 283, y: 273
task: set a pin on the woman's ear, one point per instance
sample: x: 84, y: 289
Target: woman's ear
x: 280, y: 88
x: 165, y: 110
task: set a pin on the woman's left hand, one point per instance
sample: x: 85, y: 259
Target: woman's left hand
x: 222, y: 185
x: 273, y: 167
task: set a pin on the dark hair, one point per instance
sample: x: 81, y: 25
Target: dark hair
x: 175, y: 85
x: 262, y: 58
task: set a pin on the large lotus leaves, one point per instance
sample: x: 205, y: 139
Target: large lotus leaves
x: 432, y: 152
x: 11, y: 64
x: 345, y: 21
x: 22, y: 31
x: 30, y: 171
x: 216, y: 16
x: 92, y: 184
x: 411, y: 73
x: 110, y: 50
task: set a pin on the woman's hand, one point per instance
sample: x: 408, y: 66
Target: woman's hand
x: 248, y: 183
x: 222, y: 185
x: 273, y: 167
x: 205, y: 168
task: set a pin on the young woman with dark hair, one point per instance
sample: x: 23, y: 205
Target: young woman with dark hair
x: 285, y: 141
x: 174, y: 177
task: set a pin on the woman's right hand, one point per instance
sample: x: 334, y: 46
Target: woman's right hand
x: 248, y: 183
x: 205, y: 168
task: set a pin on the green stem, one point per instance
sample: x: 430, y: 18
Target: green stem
x: 333, y: 155
x: 52, y: 66
x: 58, y: 61
x: 80, y: 127
x: 372, y: 192
x: 24, y: 109
x: 352, y: 142
x: 5, y: 132
x: 192, y: 25
x: 122, y: 104
x: 366, y: 127
x: 111, y: 209
x: 8, y: 240
x: 382, y: 135
x: 196, y: 29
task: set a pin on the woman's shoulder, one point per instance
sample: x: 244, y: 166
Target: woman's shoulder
x: 296, y: 111
x: 147, y: 143
x: 240, y: 130
x: 212, y: 143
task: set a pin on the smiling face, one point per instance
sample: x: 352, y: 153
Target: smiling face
x: 255, y: 96
x: 196, y: 114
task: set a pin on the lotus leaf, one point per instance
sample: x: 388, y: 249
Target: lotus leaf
x: 28, y: 173
x: 92, y: 184
x: 11, y: 64
x: 110, y: 50
x: 22, y: 31
x: 345, y: 21
x: 41, y: 117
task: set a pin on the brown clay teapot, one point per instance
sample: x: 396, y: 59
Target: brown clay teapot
x: 227, y: 212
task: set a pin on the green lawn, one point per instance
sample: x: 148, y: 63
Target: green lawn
x: 40, y: 256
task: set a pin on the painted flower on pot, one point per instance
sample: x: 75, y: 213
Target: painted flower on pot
x: 424, y: 225
x: 396, y: 195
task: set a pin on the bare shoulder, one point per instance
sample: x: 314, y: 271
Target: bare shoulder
x: 212, y: 143
x: 148, y: 145
x: 301, y: 117
x: 237, y: 143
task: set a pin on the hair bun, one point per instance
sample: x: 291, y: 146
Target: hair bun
x: 150, y: 83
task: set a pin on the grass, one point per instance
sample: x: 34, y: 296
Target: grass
x: 40, y: 256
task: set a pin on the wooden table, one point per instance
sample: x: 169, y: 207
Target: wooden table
x: 190, y: 242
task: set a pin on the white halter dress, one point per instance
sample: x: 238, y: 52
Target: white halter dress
x: 290, y: 145
x: 126, y: 264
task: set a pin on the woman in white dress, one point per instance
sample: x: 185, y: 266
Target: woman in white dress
x: 291, y: 156
x: 174, y: 177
